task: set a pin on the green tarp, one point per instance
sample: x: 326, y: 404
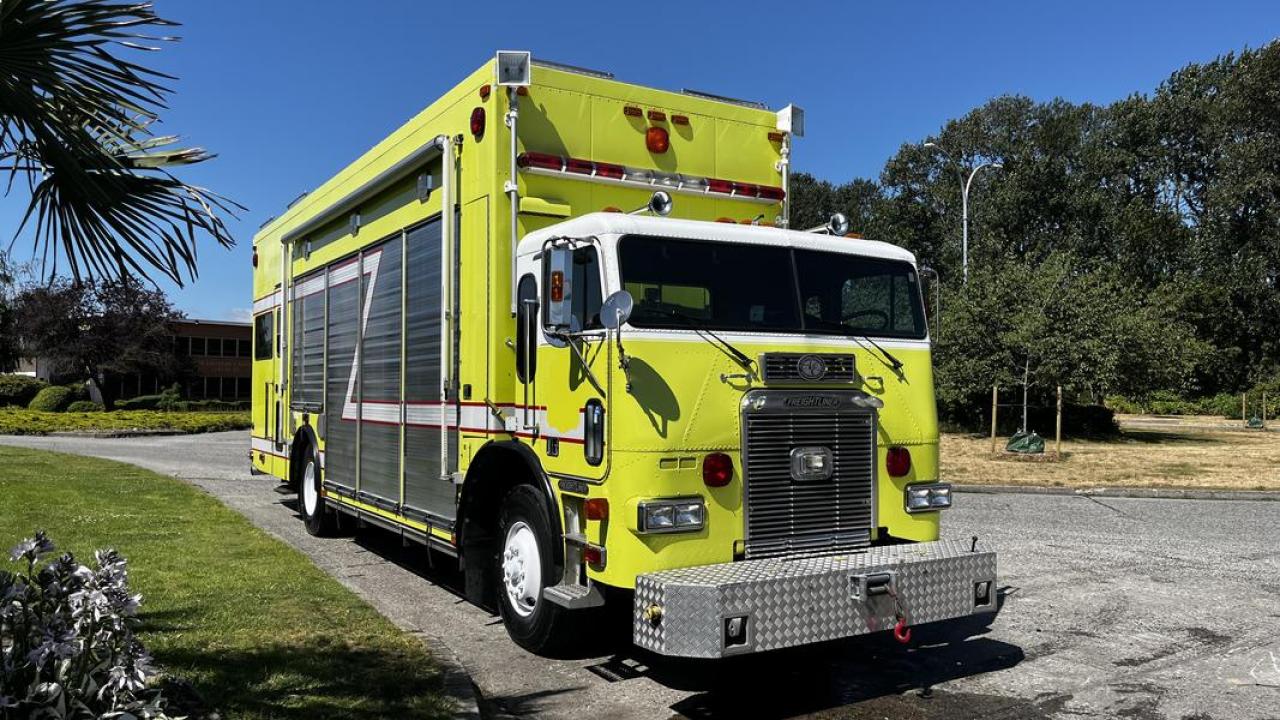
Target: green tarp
x: 1026, y: 443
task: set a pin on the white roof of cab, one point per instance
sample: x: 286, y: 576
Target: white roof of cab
x: 602, y: 223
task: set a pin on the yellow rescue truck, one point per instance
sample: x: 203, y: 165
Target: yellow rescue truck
x: 556, y: 327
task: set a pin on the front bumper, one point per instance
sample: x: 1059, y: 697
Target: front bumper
x: 753, y: 605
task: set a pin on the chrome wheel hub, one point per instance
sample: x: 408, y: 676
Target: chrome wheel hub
x: 522, y: 569
x: 310, y: 494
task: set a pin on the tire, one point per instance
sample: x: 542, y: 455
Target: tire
x: 523, y: 566
x: 316, y: 515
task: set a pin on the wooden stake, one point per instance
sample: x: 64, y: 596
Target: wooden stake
x: 1264, y: 409
x: 1244, y: 408
x: 995, y: 399
x: 1058, y: 439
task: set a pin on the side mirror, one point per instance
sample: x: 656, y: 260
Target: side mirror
x: 559, y: 292
x: 616, y: 309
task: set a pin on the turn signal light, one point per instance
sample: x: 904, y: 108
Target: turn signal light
x: 557, y: 286
x: 897, y: 461
x: 477, y: 122
x: 657, y: 140
x: 596, y: 509
x: 717, y: 470
x: 255, y: 256
x: 593, y: 555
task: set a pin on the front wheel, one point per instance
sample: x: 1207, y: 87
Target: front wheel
x: 315, y: 513
x: 524, y: 566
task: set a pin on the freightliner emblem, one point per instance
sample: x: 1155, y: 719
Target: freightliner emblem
x: 811, y: 367
x: 811, y: 401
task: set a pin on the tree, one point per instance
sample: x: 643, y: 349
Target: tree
x: 9, y: 354
x: 1053, y: 324
x: 75, y: 127
x: 94, y: 328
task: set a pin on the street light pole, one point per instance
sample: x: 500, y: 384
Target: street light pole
x: 964, y: 204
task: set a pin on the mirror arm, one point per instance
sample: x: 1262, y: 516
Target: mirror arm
x: 570, y: 341
x: 623, y: 361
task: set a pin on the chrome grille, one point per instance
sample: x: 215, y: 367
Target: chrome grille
x: 785, y: 516
x: 785, y: 367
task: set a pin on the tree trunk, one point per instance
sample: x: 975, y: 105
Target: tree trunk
x: 98, y: 391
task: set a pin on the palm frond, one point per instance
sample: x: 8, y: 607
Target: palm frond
x: 75, y: 124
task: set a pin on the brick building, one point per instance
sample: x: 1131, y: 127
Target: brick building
x: 221, y: 354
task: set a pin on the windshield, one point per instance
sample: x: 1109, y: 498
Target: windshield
x: 723, y: 286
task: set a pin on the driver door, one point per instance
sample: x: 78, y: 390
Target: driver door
x: 571, y: 373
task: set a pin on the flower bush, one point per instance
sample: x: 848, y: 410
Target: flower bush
x: 67, y: 646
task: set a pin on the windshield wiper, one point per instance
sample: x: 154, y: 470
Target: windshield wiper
x: 849, y: 332
x: 715, y: 340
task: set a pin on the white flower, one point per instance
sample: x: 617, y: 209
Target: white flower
x: 32, y: 548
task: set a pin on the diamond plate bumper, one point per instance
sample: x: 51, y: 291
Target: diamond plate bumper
x: 691, y: 612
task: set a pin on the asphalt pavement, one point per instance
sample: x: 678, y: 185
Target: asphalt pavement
x: 1112, y: 608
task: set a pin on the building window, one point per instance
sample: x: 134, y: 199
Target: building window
x: 244, y: 348
x: 242, y: 388
x: 197, y: 346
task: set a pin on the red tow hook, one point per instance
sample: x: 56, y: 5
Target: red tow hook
x: 901, y: 632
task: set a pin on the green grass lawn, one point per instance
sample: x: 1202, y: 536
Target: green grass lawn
x: 20, y: 421
x: 253, y: 624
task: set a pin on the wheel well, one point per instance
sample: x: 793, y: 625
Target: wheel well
x: 497, y: 468
x: 303, y: 441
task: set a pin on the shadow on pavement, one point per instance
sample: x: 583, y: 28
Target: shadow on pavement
x: 837, y: 675
x: 871, y: 676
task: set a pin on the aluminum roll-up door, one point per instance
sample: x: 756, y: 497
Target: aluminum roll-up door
x: 379, y: 386
x: 340, y: 411
x: 425, y: 490
x: 308, y: 342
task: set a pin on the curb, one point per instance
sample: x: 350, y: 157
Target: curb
x: 458, y: 684
x: 1120, y: 492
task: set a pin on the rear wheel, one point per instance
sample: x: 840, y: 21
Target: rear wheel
x: 524, y: 566
x: 315, y: 512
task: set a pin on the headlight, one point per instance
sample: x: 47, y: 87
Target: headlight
x: 671, y: 515
x: 922, y: 498
x: 659, y: 517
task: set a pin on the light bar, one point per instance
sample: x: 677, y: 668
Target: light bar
x: 536, y: 163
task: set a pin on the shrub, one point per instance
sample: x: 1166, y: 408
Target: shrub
x: 19, y: 389
x: 142, y: 402
x: 54, y: 398
x: 213, y: 405
x: 69, y: 647
x: 169, y: 399
x: 20, y: 421
x: 84, y: 406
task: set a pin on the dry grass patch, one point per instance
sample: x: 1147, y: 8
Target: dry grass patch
x: 1148, y: 454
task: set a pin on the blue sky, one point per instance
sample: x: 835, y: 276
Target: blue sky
x: 287, y: 92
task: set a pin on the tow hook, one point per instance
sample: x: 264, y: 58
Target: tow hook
x: 901, y: 632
